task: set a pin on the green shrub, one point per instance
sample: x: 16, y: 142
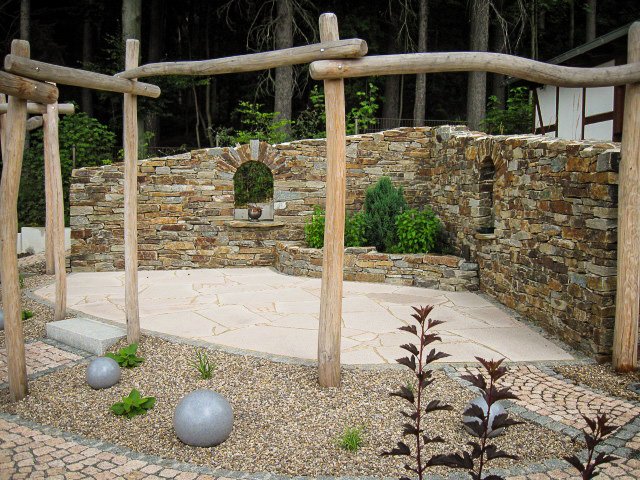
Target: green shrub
x: 26, y: 314
x: 253, y: 182
x: 354, y: 230
x: 417, y: 232
x: 351, y: 439
x: 382, y: 204
x: 516, y: 119
x: 203, y: 364
x: 258, y: 125
x: 314, y: 230
x: 133, y: 405
x: 126, y: 357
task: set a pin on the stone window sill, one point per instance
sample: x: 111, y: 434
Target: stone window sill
x: 264, y: 224
x: 486, y: 236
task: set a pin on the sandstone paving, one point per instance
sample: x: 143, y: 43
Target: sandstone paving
x: 261, y: 310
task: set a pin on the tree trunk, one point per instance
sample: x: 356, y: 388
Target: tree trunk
x: 284, y: 75
x: 534, y: 29
x: 211, y: 89
x: 391, y: 106
x: 87, y: 50
x: 420, y: 103
x: 131, y: 19
x: 154, y: 53
x: 572, y: 24
x: 499, y: 45
x: 25, y: 19
x: 591, y: 20
x: 477, y: 84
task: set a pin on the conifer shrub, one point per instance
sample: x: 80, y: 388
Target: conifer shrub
x: 382, y: 204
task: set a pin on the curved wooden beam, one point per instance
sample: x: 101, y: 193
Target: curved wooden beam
x: 519, y: 67
x: 76, y: 77
x: 34, y: 122
x: 255, y: 61
x: 27, y: 89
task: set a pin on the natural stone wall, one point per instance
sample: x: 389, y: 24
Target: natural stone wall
x: 365, y: 264
x: 547, y: 209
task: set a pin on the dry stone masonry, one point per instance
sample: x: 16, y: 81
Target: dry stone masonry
x: 536, y: 215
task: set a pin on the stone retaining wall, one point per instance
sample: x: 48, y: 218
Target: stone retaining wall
x: 365, y: 264
x: 537, y: 214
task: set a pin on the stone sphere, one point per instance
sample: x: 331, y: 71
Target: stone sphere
x: 203, y: 418
x: 103, y: 372
x: 1, y: 319
x: 496, y: 409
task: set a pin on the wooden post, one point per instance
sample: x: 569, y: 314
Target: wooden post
x: 625, y: 337
x: 12, y: 165
x: 3, y: 131
x: 130, y: 140
x: 50, y: 268
x: 55, y: 208
x: 331, y: 292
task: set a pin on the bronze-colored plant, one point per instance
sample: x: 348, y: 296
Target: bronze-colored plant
x: 599, y: 430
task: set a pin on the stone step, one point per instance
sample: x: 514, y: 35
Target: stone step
x: 85, y: 334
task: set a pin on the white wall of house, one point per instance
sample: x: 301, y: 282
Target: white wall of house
x: 31, y: 239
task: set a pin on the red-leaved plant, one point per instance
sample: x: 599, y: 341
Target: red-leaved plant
x: 599, y: 430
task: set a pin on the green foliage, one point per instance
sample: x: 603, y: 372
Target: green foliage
x: 26, y: 314
x: 253, y: 182
x: 126, y: 357
x: 517, y: 118
x: 354, y: 230
x: 314, y: 230
x: 21, y: 281
x: 311, y: 122
x: 133, y: 405
x: 258, y: 125
x: 94, y: 145
x: 203, y: 364
x: 417, y: 232
x: 382, y: 204
x: 351, y: 439
x: 365, y: 111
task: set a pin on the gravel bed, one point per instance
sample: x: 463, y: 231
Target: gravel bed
x: 284, y: 422
x: 602, y: 377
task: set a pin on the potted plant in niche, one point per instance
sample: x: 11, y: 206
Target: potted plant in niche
x: 254, y: 212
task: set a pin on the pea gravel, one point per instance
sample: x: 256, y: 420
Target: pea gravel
x: 284, y: 422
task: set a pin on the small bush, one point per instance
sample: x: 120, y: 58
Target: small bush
x: 417, y: 232
x: 203, y: 364
x: 354, y: 230
x: 351, y: 439
x: 126, y: 357
x: 26, y: 314
x: 133, y: 405
x: 314, y: 230
x: 382, y: 204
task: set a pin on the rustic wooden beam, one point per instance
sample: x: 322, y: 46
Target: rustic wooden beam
x: 38, y: 108
x: 27, y: 89
x: 55, y: 207
x: 34, y: 122
x: 519, y: 67
x: 332, y: 260
x: 76, y: 77
x: 625, y: 336
x: 130, y: 140
x: 255, y: 61
x: 11, y: 167
x: 49, y: 262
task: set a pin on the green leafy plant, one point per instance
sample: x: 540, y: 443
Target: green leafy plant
x: 382, y: 204
x: 252, y: 182
x: 351, y: 439
x: 599, y: 429
x: 364, y: 111
x: 517, y: 118
x: 258, y: 125
x: 310, y: 122
x: 21, y: 281
x: 26, y: 314
x: 417, y: 232
x: 354, y: 230
x: 126, y: 357
x: 133, y: 405
x: 314, y: 230
x: 203, y: 364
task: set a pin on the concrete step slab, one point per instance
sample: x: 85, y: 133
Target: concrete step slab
x: 85, y: 334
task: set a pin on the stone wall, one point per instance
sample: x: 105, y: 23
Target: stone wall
x: 365, y: 264
x: 537, y: 214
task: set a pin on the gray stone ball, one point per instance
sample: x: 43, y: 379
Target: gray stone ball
x: 1, y: 319
x: 203, y: 418
x: 103, y: 372
x: 496, y: 409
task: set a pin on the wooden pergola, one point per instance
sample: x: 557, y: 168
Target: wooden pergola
x: 332, y: 61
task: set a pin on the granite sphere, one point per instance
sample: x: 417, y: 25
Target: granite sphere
x: 203, y: 418
x: 103, y: 372
x: 496, y: 409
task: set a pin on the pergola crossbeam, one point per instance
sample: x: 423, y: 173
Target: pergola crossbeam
x: 27, y: 89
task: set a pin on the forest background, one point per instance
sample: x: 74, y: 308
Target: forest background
x: 284, y: 103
